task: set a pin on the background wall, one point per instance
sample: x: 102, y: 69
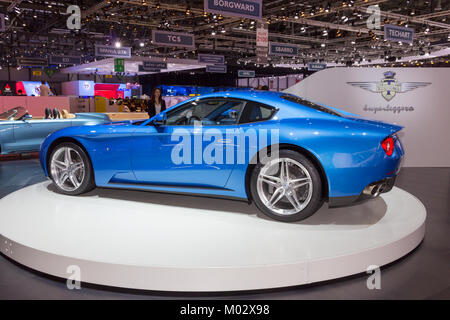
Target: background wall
x: 426, y: 136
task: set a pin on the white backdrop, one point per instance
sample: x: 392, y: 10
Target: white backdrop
x: 424, y: 110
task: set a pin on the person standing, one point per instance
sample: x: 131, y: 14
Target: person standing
x: 44, y: 90
x: 156, y: 103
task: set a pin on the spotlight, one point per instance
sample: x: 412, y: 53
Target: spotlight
x: 117, y: 44
x: 141, y: 44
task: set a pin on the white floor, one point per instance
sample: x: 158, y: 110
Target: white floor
x: 133, y: 239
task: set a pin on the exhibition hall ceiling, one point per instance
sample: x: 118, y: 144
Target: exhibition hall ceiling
x: 334, y: 32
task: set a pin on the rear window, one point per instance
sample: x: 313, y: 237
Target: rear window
x: 309, y: 104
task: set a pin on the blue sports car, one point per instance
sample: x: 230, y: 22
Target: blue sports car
x: 286, y: 154
x: 20, y: 133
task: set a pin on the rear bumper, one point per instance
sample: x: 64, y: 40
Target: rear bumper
x: 372, y: 190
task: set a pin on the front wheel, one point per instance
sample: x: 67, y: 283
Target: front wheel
x: 71, y: 169
x: 287, y: 188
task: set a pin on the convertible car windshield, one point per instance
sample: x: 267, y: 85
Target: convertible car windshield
x: 13, y: 114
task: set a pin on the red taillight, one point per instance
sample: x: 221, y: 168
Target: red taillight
x: 388, y: 146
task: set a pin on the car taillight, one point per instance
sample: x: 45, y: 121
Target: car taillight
x: 388, y: 146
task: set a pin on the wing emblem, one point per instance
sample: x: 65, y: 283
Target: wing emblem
x: 389, y: 86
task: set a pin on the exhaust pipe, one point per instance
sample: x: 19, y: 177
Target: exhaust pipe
x: 376, y: 191
x: 373, y: 190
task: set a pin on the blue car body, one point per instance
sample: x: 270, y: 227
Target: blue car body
x: 22, y: 136
x: 346, y: 148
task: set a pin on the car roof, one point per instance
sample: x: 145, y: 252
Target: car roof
x: 246, y: 94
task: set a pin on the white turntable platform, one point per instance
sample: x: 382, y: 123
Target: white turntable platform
x: 155, y: 241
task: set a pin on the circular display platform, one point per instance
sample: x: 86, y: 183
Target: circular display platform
x: 154, y: 241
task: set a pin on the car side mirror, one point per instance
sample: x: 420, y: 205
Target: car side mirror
x: 160, y: 119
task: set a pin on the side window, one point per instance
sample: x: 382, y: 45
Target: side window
x: 207, y: 112
x: 255, y: 112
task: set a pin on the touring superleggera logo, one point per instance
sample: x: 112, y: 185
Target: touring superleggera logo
x: 389, y: 86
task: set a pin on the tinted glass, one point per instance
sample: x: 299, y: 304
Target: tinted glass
x: 309, y: 104
x: 255, y: 112
x: 207, y: 112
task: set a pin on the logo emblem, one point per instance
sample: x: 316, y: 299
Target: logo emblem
x: 389, y: 86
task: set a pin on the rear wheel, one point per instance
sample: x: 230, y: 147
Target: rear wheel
x: 288, y: 188
x: 71, y: 169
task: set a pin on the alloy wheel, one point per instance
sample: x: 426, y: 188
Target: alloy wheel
x: 284, y: 186
x: 67, y: 168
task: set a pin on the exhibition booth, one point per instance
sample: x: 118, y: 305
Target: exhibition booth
x: 143, y: 241
x: 264, y: 148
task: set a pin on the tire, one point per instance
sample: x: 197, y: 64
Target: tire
x: 71, y: 179
x: 304, y: 183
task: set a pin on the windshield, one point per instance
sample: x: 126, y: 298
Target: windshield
x: 13, y: 114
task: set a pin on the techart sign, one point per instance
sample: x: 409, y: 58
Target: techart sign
x: 388, y: 87
x: 283, y: 49
x: 169, y: 38
x: 398, y: 34
x: 237, y: 8
x: 107, y: 51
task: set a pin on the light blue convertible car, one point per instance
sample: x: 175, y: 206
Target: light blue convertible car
x: 19, y: 133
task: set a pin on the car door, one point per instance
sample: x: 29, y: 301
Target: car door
x: 6, y: 136
x: 190, y: 148
x: 29, y: 134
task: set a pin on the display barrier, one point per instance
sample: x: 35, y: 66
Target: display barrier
x: 35, y: 105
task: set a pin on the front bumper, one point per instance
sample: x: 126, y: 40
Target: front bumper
x: 372, y: 190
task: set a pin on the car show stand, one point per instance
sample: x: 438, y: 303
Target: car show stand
x: 164, y: 242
